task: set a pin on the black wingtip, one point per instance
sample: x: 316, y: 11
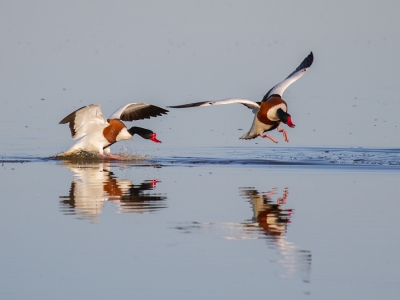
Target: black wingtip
x: 309, y: 60
x: 306, y: 63
x: 190, y: 104
x: 180, y: 106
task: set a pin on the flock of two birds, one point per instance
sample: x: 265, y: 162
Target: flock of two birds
x: 96, y: 134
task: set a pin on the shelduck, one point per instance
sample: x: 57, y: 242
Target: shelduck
x: 271, y: 111
x: 95, y: 133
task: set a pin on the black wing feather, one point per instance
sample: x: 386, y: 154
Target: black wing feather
x: 143, y: 113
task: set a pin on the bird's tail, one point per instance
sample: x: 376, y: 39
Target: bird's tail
x: 248, y: 136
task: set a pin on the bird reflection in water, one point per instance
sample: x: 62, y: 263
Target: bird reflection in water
x: 94, y: 184
x: 272, y: 219
x: 270, y: 222
x: 270, y: 216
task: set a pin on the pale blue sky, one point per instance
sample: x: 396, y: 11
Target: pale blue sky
x: 174, y: 52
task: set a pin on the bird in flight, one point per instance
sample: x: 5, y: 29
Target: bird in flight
x: 271, y: 111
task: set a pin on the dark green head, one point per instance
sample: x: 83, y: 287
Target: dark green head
x: 144, y: 133
x: 285, y: 117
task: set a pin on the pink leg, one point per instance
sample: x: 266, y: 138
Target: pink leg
x: 272, y: 192
x: 284, y: 197
x: 285, y: 135
x: 268, y: 136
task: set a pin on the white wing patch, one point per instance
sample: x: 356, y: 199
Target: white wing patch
x: 282, y: 86
x: 295, y: 75
x: 85, y: 120
x: 250, y: 104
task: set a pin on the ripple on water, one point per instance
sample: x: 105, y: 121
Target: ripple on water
x: 349, y: 157
x: 254, y: 156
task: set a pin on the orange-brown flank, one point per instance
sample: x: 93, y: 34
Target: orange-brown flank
x: 111, y: 131
x: 112, y: 189
x: 265, y: 106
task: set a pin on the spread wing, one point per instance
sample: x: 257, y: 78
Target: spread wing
x: 296, y: 74
x: 85, y: 120
x: 137, y: 111
x: 250, y: 104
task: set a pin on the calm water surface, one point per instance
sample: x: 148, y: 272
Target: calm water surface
x: 252, y: 221
x: 288, y: 223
